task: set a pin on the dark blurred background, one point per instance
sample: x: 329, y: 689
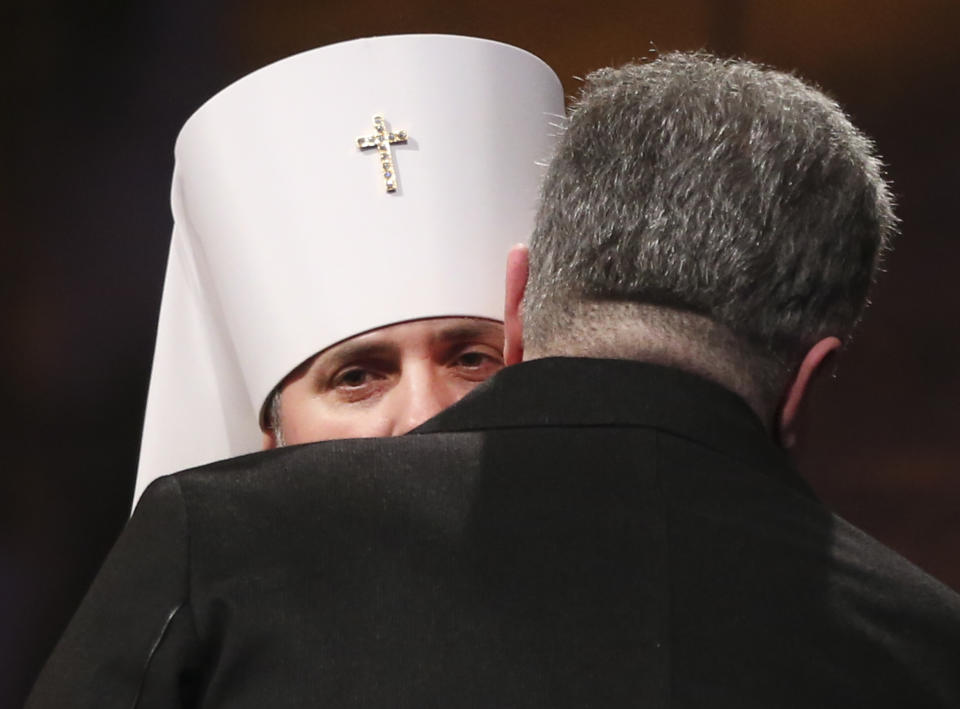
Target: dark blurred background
x: 95, y: 92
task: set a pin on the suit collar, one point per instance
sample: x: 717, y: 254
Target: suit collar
x: 565, y: 391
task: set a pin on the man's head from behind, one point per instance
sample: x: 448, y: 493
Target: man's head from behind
x: 710, y: 214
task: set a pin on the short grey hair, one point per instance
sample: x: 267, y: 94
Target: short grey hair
x: 720, y: 188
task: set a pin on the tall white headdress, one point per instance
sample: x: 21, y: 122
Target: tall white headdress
x: 336, y: 191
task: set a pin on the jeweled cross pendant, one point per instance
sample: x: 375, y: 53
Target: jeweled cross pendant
x: 382, y: 140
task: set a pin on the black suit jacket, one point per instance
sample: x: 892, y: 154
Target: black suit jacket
x: 582, y: 533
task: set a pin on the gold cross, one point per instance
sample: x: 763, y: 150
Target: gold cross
x: 382, y: 140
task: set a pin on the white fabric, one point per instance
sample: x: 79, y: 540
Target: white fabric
x: 286, y: 240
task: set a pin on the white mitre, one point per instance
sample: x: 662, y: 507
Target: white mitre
x: 296, y: 227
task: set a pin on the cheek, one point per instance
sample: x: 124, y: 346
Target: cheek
x: 459, y: 389
x: 458, y: 386
x: 311, y: 420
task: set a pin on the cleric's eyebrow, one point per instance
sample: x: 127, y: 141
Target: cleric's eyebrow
x: 470, y: 330
x: 352, y: 351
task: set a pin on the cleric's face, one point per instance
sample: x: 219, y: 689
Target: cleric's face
x: 387, y: 381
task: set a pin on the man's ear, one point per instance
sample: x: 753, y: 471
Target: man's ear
x: 269, y: 440
x: 814, y: 363
x: 518, y: 269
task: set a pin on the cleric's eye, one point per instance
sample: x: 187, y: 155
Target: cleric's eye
x: 353, y: 378
x: 474, y: 359
x: 478, y: 362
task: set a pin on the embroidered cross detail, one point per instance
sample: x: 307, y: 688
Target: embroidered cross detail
x: 382, y: 140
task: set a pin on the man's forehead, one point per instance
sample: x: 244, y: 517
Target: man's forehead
x: 444, y: 329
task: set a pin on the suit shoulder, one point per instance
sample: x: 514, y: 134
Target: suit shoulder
x: 876, y: 571
x: 329, y: 473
